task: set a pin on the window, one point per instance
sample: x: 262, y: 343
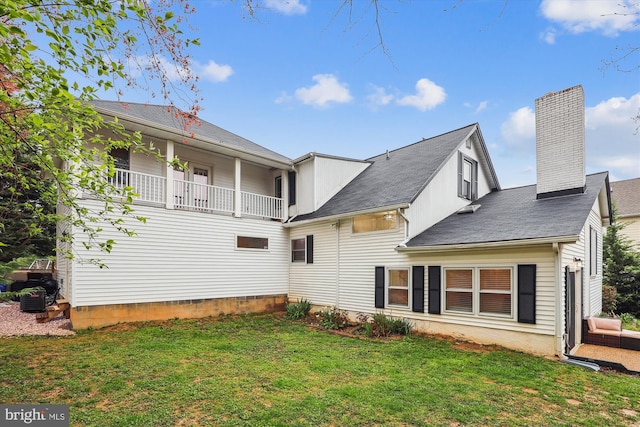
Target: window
x: 467, y: 177
x: 484, y: 291
x: 120, y: 158
x: 495, y: 291
x: 246, y: 242
x: 302, y: 250
x: 398, y: 290
x: 298, y: 250
x: 375, y: 222
x: 121, y: 163
x: 459, y: 292
x: 278, y: 187
x: 593, y: 251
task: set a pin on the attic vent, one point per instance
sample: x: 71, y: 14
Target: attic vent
x: 469, y: 209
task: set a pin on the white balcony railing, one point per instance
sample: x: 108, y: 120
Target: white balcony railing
x: 195, y: 196
x: 149, y: 188
x: 191, y: 195
x: 260, y: 205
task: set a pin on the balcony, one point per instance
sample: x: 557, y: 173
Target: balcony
x: 193, y: 196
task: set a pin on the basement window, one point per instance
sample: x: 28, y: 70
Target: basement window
x: 246, y: 242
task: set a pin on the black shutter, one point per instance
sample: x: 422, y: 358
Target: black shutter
x: 417, y: 283
x: 292, y: 188
x: 474, y: 180
x: 434, y: 289
x: 310, y: 249
x: 527, y: 293
x: 460, y: 175
x: 379, y: 287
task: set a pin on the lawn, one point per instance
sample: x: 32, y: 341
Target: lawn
x: 268, y: 371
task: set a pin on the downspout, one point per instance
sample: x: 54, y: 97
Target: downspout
x: 559, y: 301
x: 403, y: 244
x: 336, y: 225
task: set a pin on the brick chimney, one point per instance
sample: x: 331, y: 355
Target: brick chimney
x: 560, y: 146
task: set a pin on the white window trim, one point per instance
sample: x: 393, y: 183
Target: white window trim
x: 388, y: 287
x: 300, y: 261
x: 475, y: 292
x: 235, y: 238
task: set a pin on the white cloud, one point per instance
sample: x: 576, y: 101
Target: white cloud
x: 549, y: 36
x: 210, y: 71
x: 214, y: 72
x: 613, y: 142
x: 287, y: 7
x: 139, y: 64
x: 615, y: 111
x: 520, y: 128
x: 428, y: 96
x: 326, y: 90
x: 284, y: 98
x: 608, y: 16
x: 482, y: 106
x: 379, y: 97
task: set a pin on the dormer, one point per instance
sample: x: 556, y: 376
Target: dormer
x: 319, y: 177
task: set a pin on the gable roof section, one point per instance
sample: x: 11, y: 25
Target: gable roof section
x: 399, y: 178
x: 514, y: 215
x: 170, y: 119
x: 626, y: 195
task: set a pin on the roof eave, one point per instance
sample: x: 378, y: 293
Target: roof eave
x: 511, y: 244
x: 290, y: 224
x: 222, y: 147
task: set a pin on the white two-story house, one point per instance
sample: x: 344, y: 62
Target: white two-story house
x: 424, y: 232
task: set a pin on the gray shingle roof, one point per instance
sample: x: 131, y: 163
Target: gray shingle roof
x: 515, y: 214
x: 172, y: 118
x: 626, y: 195
x: 394, y: 180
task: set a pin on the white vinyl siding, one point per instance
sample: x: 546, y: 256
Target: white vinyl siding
x: 321, y: 177
x: 180, y: 255
x: 331, y: 175
x: 440, y: 197
x: 316, y: 282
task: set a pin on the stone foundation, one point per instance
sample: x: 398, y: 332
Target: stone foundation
x: 104, y: 315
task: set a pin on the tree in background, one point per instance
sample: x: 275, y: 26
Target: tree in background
x: 27, y: 210
x: 55, y: 58
x: 622, y: 268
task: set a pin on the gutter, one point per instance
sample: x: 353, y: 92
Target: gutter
x: 161, y: 127
x: 289, y: 224
x: 489, y: 245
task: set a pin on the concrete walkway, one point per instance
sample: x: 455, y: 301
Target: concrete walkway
x: 630, y: 359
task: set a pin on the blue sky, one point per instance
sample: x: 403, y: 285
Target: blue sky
x: 303, y: 75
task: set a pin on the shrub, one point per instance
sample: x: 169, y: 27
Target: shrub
x: 381, y: 325
x: 609, y: 299
x: 627, y: 318
x: 333, y: 318
x: 298, y: 310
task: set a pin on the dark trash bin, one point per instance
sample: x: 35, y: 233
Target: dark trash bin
x: 34, y: 302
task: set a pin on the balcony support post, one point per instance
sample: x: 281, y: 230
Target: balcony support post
x: 169, y: 189
x: 237, y: 204
x: 285, y: 195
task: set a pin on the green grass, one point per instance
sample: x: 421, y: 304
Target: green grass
x: 267, y: 371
